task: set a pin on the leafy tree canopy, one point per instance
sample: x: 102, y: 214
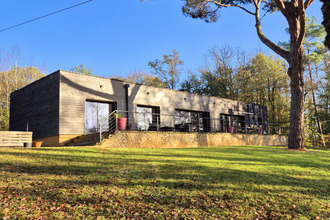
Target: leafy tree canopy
x: 146, y: 79
x: 10, y: 81
x: 168, y: 69
x: 82, y: 69
x: 210, y: 12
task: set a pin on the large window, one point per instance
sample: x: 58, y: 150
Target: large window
x: 147, y: 117
x: 97, y: 114
x: 225, y: 122
x: 236, y: 121
x: 192, y: 121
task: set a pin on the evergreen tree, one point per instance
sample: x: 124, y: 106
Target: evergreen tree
x: 295, y: 13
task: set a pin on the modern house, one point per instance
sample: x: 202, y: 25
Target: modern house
x: 64, y: 105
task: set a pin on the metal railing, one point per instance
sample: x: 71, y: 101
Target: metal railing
x: 147, y: 121
x: 108, y: 126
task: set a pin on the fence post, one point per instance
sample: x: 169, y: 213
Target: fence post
x: 116, y: 121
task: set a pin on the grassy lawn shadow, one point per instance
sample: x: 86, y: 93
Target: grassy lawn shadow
x: 239, y: 182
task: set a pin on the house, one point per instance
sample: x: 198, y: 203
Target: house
x: 64, y: 105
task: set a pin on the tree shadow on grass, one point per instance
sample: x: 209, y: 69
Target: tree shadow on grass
x: 183, y: 175
x: 248, y: 154
x: 186, y: 171
x: 187, y: 179
x: 173, y: 186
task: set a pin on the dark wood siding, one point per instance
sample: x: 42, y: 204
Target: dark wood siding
x: 38, y: 105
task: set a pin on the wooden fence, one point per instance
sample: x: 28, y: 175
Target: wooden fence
x: 15, y: 138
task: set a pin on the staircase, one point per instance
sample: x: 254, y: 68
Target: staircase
x: 85, y: 140
x: 94, y: 139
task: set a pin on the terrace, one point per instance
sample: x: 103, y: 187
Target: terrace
x: 146, y: 119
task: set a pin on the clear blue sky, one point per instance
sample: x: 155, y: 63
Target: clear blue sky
x: 117, y: 37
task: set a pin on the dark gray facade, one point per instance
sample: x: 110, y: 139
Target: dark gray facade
x: 36, y: 107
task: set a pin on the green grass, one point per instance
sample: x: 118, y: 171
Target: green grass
x: 203, y: 183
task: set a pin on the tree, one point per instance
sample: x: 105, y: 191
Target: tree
x: 223, y: 75
x: 269, y: 86
x: 236, y: 75
x: 324, y: 98
x: 315, y: 53
x: 215, y: 83
x: 193, y: 84
x: 10, y: 81
x: 217, y: 77
x: 146, y: 79
x: 4, y: 116
x: 326, y: 21
x: 295, y: 13
x: 82, y: 69
x: 168, y: 69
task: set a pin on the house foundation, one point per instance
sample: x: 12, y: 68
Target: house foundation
x: 153, y: 139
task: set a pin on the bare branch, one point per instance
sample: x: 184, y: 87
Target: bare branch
x: 277, y: 49
x: 231, y: 5
x: 263, y: 15
x: 214, y: 11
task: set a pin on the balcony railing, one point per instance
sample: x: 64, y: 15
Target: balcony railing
x: 148, y: 121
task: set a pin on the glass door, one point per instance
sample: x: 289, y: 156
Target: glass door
x: 96, y: 115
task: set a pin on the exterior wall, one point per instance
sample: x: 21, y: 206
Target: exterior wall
x: 55, y: 105
x: 168, y: 100
x: 55, y: 141
x: 179, y: 139
x: 49, y: 141
x: 36, y: 105
x: 75, y: 89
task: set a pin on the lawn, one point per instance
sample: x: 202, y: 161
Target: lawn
x: 248, y: 182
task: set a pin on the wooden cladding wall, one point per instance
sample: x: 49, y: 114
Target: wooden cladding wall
x: 14, y: 138
x: 36, y: 106
x: 75, y: 89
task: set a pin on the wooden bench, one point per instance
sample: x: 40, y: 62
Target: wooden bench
x: 14, y: 138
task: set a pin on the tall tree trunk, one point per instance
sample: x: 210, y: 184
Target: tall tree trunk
x: 296, y: 17
x: 319, y: 125
x: 296, y: 138
x: 294, y: 12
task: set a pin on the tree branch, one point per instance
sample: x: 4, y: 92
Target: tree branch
x: 277, y: 49
x: 302, y: 15
x: 280, y: 4
x: 231, y: 5
x: 308, y: 3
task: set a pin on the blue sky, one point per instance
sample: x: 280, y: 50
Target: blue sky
x: 118, y: 37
